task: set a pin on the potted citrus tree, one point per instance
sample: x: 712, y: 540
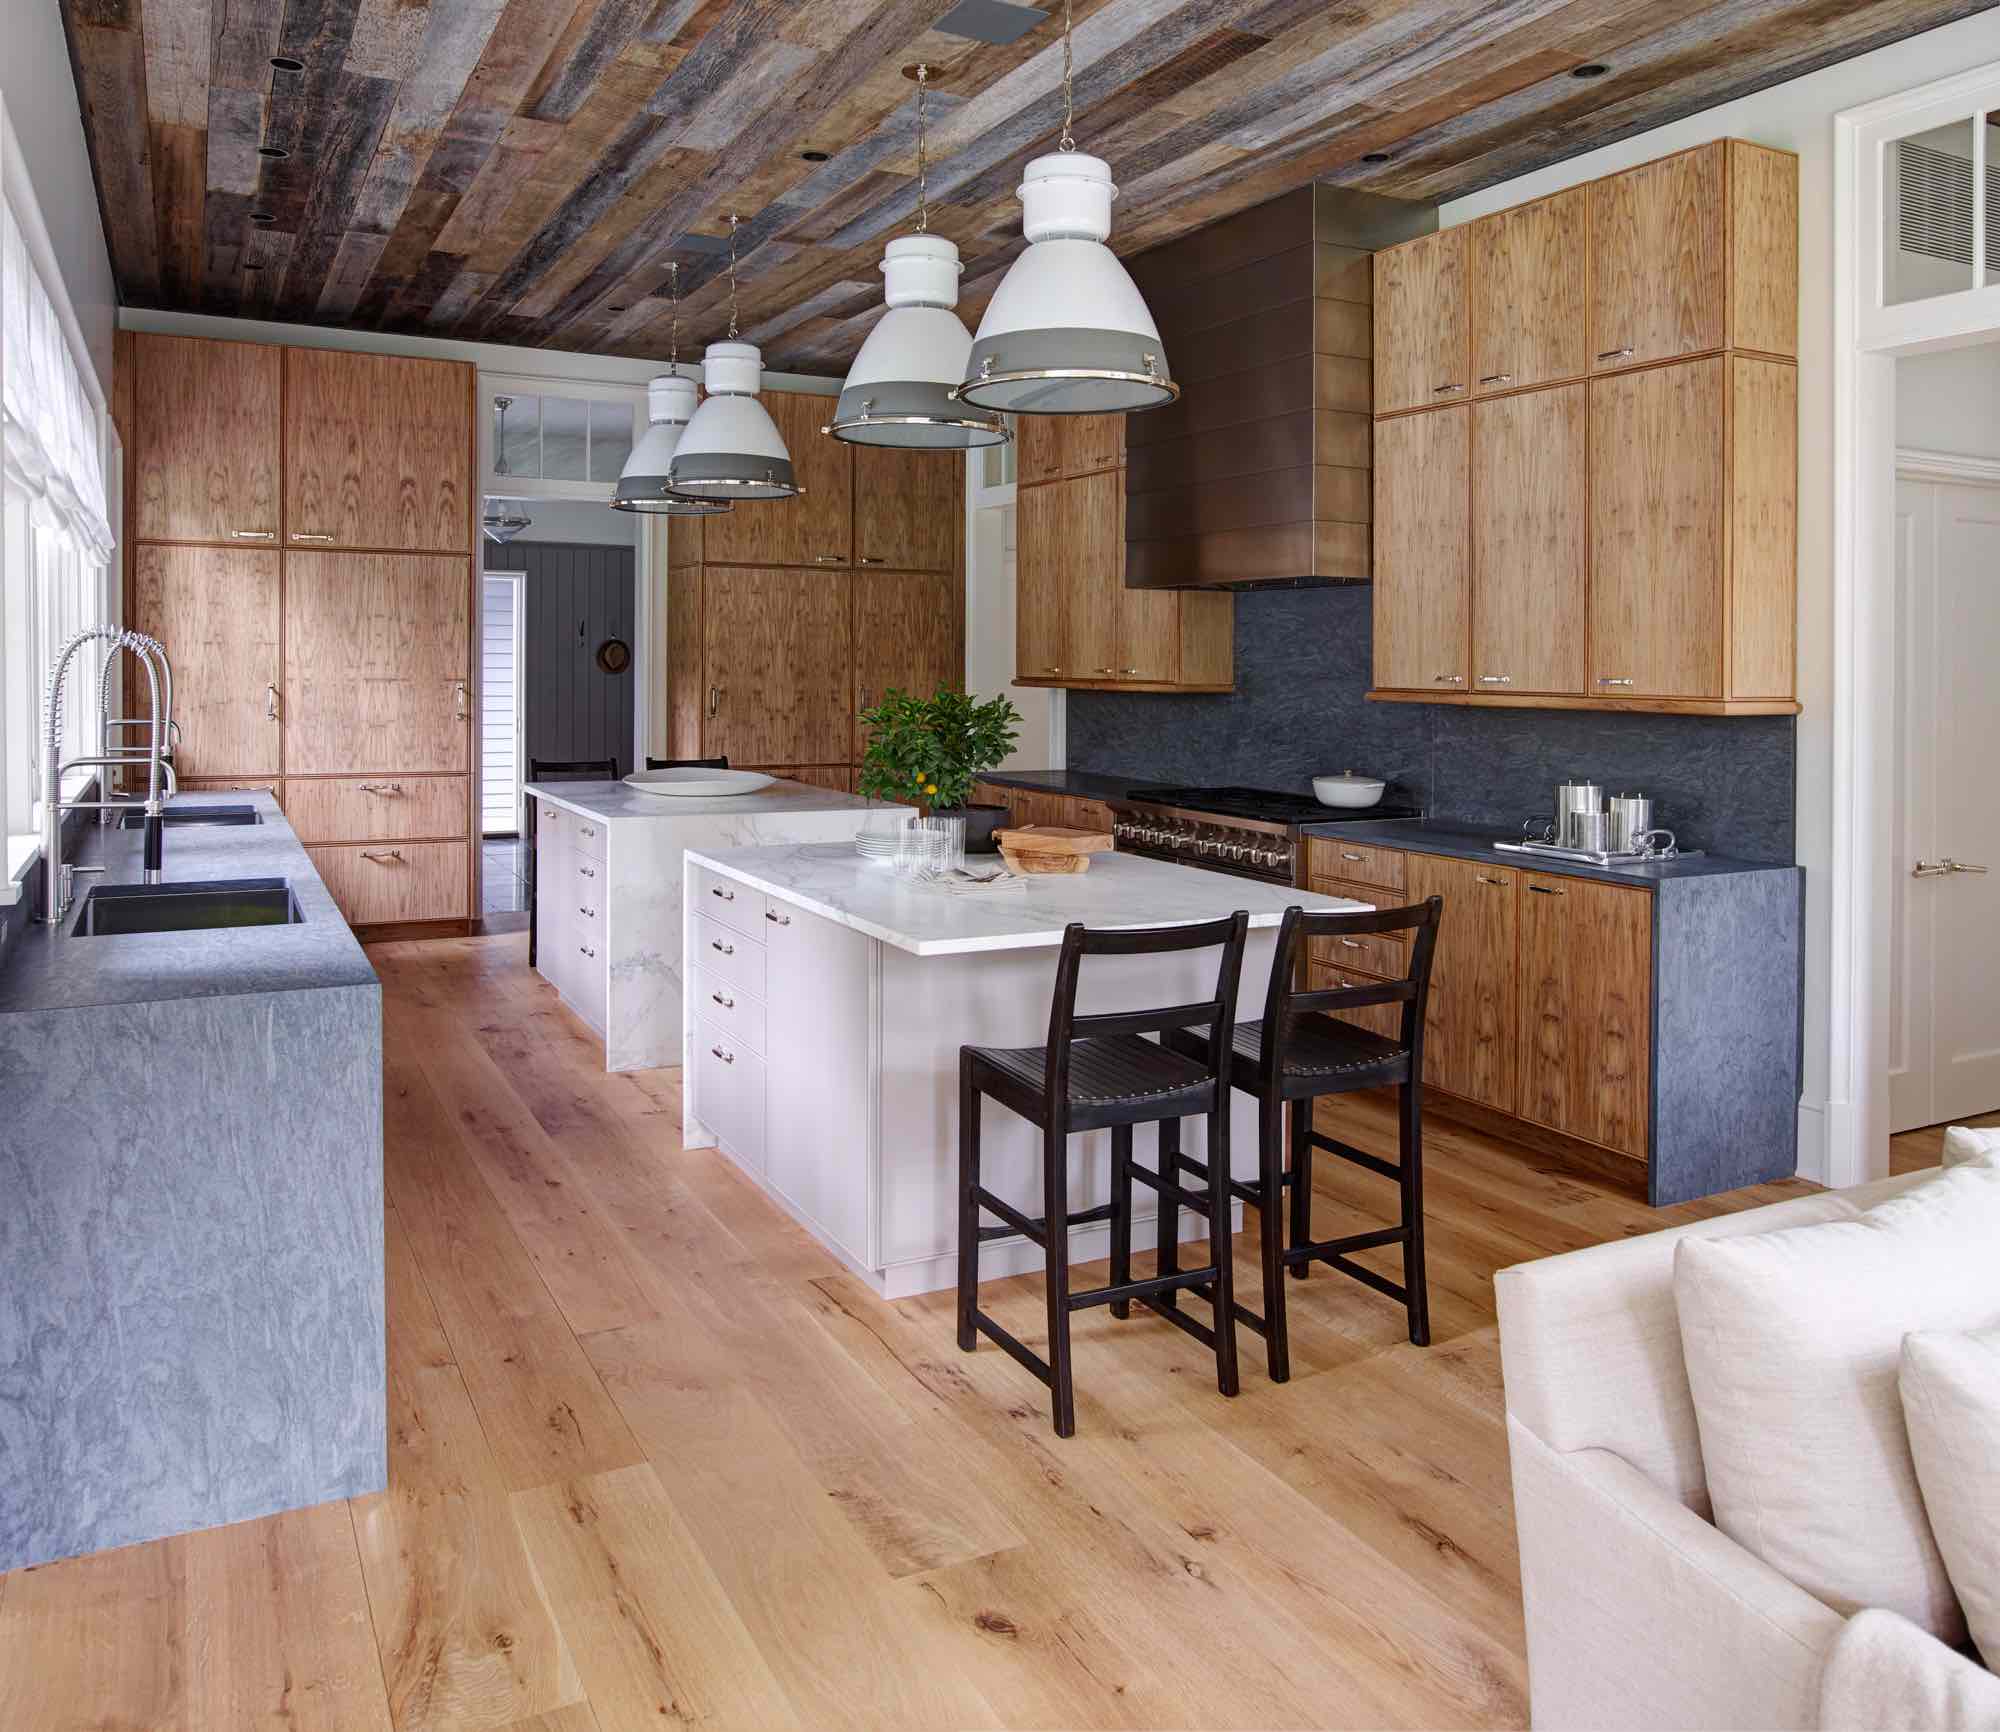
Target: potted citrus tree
x: 928, y: 752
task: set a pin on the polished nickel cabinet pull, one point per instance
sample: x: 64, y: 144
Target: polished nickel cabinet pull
x: 873, y: 559
x: 726, y: 1003
x: 1350, y: 944
x: 718, y: 946
x: 1624, y: 354
x: 586, y: 950
x: 714, y: 699
x: 726, y: 895
x: 1615, y: 680
x: 1447, y: 679
x: 253, y: 535
x: 1544, y: 890
x: 777, y: 919
x: 388, y: 790
x: 1485, y: 879
x: 586, y: 872
x: 1446, y: 390
x: 458, y: 700
x: 587, y: 913
x: 306, y: 535
x: 1498, y: 379
x: 382, y: 856
x: 270, y: 703
x: 1496, y: 679
x: 726, y: 1057
x: 829, y: 559
x: 1944, y: 867
x: 1349, y: 854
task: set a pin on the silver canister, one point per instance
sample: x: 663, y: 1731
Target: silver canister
x: 1591, y: 831
x: 1575, y: 800
x: 1631, y: 816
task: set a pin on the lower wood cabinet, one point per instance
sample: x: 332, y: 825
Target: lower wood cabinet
x: 375, y: 884
x: 1038, y: 806
x: 1472, y: 1034
x: 380, y: 808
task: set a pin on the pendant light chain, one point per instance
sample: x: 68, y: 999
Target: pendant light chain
x: 1068, y: 142
x: 732, y: 276
x: 923, y: 169
x: 674, y: 329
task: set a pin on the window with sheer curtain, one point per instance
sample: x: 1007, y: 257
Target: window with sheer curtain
x: 56, y: 558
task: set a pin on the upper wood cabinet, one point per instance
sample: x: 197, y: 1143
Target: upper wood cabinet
x: 909, y: 633
x: 906, y: 508
x: 1422, y: 351
x: 1695, y: 252
x: 1050, y: 447
x: 376, y: 674
x: 1042, y: 564
x: 777, y: 674
x: 1422, y: 596
x: 205, y: 458
x: 816, y: 528
x: 1530, y: 541
x: 377, y: 452
x: 216, y: 610
x: 1527, y: 293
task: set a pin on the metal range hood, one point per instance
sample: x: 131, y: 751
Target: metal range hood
x: 1259, y: 474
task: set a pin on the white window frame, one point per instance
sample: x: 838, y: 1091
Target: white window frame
x: 1869, y: 336
x: 494, y: 384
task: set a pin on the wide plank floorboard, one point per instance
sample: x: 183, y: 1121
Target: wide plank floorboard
x: 657, y: 1457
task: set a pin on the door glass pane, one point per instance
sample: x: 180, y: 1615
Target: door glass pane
x: 1927, y: 196
x: 610, y: 440
x: 517, y: 436
x: 565, y: 439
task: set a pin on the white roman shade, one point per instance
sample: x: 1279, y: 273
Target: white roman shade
x: 51, y: 425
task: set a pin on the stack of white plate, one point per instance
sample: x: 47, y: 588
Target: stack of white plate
x: 877, y: 845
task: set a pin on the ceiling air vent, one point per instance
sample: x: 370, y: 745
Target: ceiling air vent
x: 1934, y: 195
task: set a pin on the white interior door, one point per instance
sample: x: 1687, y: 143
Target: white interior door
x: 500, y: 704
x: 1945, y: 924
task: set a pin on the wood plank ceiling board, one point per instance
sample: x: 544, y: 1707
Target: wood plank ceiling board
x: 525, y: 170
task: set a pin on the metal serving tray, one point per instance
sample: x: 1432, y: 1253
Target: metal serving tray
x: 1598, y: 856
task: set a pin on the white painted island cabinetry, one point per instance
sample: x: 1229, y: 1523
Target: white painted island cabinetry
x: 569, y: 910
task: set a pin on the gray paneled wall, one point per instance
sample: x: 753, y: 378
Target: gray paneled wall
x: 1303, y: 659
x: 575, y: 598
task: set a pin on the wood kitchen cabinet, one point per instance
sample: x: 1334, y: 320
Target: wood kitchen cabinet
x: 1043, y: 559
x: 909, y: 633
x: 217, y: 611
x: 1471, y: 1044
x: 1422, y: 347
x: 1530, y: 503
x: 906, y: 509
x: 1527, y: 294
x: 1039, y: 806
x: 779, y: 667
x: 1050, y: 447
x: 204, y: 455
x: 377, y: 452
x: 1586, y: 982
x: 376, y: 664
x: 1422, y: 506
x: 817, y: 527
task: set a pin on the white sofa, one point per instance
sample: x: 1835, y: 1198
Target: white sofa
x: 1640, y: 1613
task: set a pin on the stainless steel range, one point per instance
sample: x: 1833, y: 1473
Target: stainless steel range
x: 1251, y: 832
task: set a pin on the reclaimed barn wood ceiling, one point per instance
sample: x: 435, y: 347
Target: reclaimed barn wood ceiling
x: 522, y: 171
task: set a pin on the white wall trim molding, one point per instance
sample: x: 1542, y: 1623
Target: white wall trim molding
x: 1812, y: 1142
x: 1913, y: 464
x: 1868, y: 336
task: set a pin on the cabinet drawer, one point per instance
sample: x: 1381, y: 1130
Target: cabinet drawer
x: 380, y: 809
x: 401, y: 881
x: 724, y: 900
x: 732, y: 1010
x: 583, y: 978
x: 1381, y: 954
x: 551, y: 824
x: 1382, y: 1019
x: 1372, y: 894
x: 730, y: 955
x: 586, y: 836
x: 730, y: 1078
x: 1357, y: 862
x: 587, y: 880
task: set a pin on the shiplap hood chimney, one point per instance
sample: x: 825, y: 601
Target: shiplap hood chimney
x: 1260, y: 473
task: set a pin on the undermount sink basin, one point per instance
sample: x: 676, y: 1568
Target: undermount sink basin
x: 135, y: 819
x: 120, y: 908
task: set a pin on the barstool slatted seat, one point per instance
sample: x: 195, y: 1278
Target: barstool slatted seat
x: 1300, y: 1051
x: 1097, y: 1072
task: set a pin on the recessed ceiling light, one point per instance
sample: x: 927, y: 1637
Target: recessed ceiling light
x: 1589, y: 69
x: 252, y: 265
x: 285, y: 63
x: 272, y: 150
x: 614, y: 309
x: 814, y: 156
x: 262, y: 216
x: 1375, y: 156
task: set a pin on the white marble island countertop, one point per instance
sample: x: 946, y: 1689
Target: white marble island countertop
x: 831, y: 880
x: 613, y: 801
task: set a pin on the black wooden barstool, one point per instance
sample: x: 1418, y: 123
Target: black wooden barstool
x: 687, y: 763
x: 1291, y: 1058
x: 554, y: 770
x: 1097, y: 1072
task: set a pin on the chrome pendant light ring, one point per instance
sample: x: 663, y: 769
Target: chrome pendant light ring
x: 900, y: 412
x: 1164, y: 390
x: 853, y: 426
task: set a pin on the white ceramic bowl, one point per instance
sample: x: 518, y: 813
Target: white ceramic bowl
x: 691, y: 783
x: 1347, y: 789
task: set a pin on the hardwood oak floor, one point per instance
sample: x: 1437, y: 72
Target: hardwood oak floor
x: 656, y: 1457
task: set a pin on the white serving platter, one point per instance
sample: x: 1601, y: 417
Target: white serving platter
x: 698, y: 784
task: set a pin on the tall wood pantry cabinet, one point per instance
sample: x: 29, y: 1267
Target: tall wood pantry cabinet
x: 787, y: 618
x: 303, y: 544
x: 1586, y: 446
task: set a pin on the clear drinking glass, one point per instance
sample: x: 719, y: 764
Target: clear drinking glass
x: 930, y: 847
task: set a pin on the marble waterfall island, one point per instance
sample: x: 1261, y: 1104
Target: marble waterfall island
x: 827, y: 999
x: 608, y: 892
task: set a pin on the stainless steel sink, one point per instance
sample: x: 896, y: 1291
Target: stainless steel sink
x: 118, y: 908
x: 135, y: 818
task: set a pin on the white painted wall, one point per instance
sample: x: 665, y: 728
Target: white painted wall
x: 1950, y: 401
x: 40, y: 96
x: 1796, y: 116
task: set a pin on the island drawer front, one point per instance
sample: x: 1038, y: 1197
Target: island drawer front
x: 586, y: 835
x: 551, y: 825
x: 1336, y: 857
x: 726, y: 900
x: 584, y: 983
x: 379, y: 808
x: 732, y: 1010
x: 729, y: 1080
x: 374, y: 884
x: 729, y: 955
x: 587, y: 881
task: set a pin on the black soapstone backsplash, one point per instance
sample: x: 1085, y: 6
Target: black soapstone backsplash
x: 1721, y: 783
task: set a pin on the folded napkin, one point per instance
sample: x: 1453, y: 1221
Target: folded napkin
x: 963, y: 882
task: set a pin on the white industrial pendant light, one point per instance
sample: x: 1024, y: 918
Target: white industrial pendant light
x: 732, y: 448
x: 1067, y: 332
x: 899, y: 390
x: 670, y: 401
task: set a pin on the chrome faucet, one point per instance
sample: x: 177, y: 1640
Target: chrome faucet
x: 146, y: 648
x: 55, y: 881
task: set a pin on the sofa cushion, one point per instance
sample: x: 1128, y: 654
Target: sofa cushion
x: 1793, y: 1341
x: 1951, y: 1405
x: 1964, y: 1144
x: 1883, y: 1675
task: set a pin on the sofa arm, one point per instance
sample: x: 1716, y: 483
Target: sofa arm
x: 1886, y: 1675
x: 1642, y: 1615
